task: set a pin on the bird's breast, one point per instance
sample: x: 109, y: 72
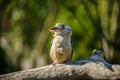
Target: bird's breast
x: 61, y: 43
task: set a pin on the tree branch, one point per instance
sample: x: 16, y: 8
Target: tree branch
x: 70, y: 71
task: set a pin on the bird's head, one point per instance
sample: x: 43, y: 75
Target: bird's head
x: 61, y: 29
x: 98, y: 52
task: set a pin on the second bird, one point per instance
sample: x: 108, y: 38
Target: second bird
x: 61, y: 49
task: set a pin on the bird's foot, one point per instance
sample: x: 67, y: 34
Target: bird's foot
x: 54, y: 64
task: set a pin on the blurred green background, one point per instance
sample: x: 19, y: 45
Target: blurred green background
x: 25, y: 40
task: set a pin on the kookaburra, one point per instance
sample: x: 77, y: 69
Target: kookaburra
x: 61, y: 50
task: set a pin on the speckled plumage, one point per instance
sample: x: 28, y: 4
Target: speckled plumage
x: 61, y: 49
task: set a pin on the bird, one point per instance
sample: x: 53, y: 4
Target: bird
x: 97, y: 55
x: 61, y: 50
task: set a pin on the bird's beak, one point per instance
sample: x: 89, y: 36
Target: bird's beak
x: 54, y: 29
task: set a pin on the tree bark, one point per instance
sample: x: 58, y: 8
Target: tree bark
x: 69, y: 71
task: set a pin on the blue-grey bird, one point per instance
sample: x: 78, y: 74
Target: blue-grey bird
x: 98, y: 56
x: 61, y: 50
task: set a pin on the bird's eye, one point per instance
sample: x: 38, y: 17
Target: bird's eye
x: 101, y: 52
x: 63, y: 26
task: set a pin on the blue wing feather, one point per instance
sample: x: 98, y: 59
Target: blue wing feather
x: 72, y: 46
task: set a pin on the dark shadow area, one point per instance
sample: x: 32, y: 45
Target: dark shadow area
x: 5, y: 64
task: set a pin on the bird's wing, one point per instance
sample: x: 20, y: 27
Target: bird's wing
x: 72, y: 47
